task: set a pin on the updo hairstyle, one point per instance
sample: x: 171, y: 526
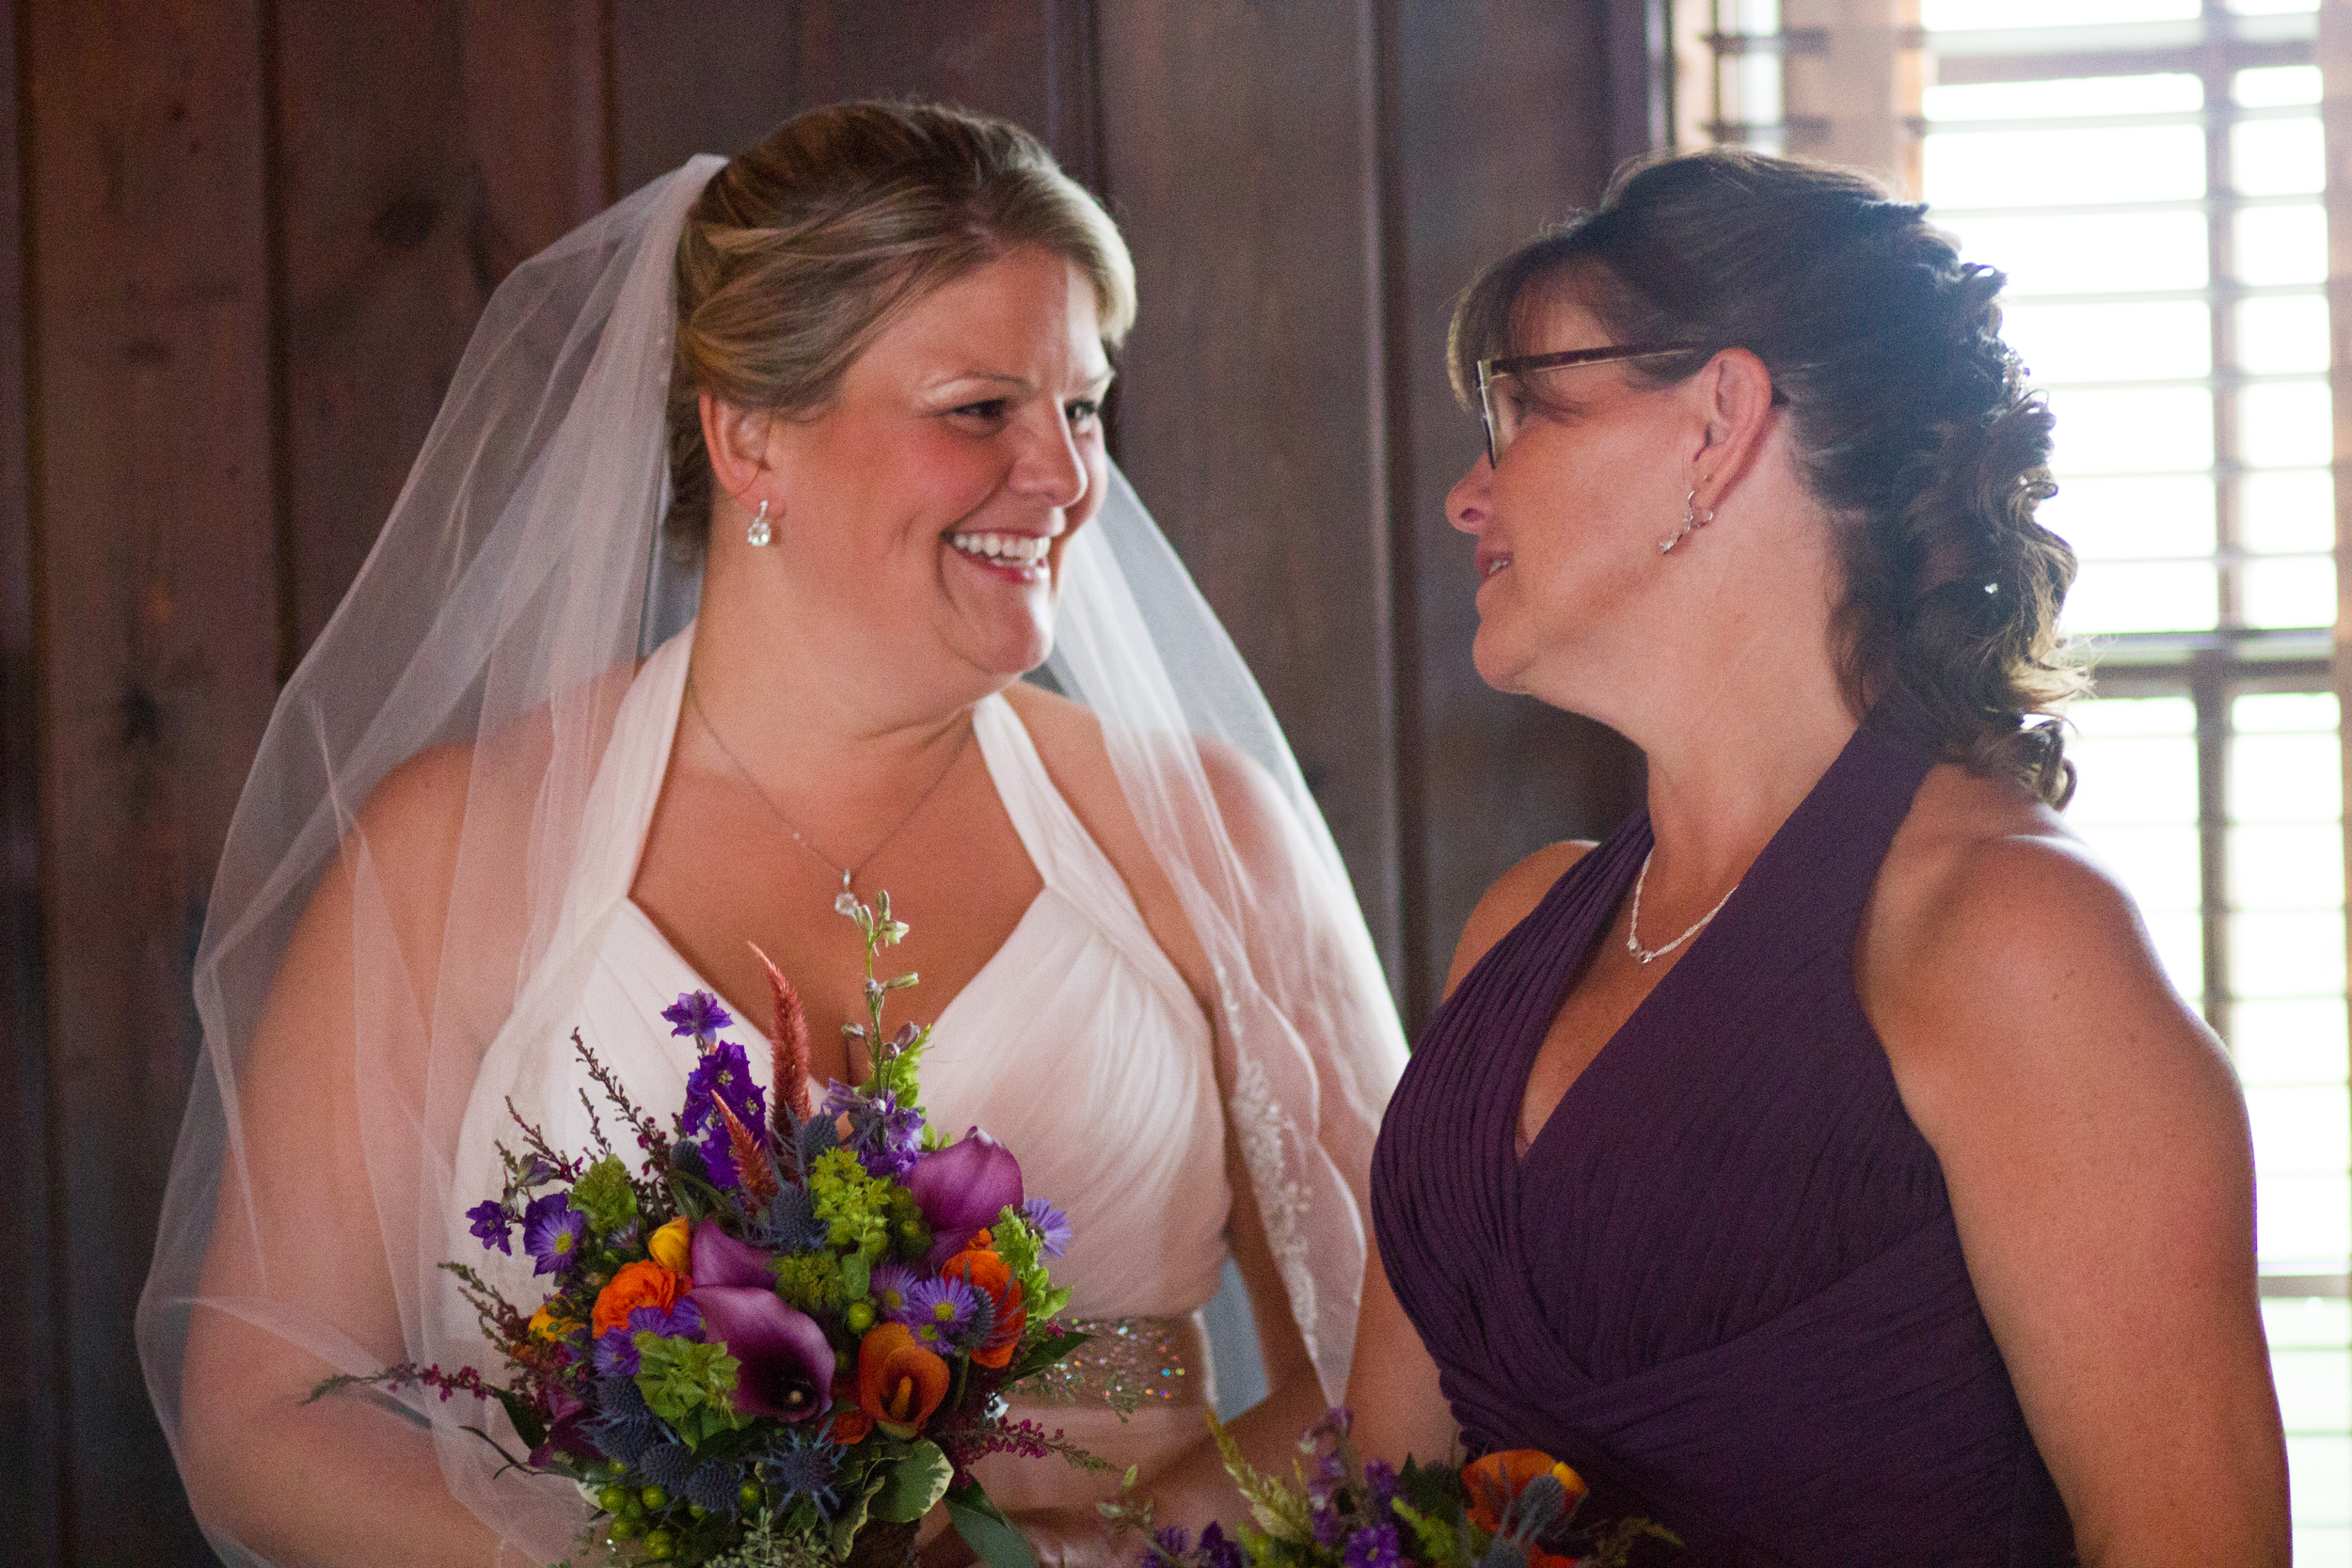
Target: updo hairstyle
x: 1910, y: 417
x: 802, y: 250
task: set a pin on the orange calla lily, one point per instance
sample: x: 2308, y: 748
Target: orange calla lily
x: 898, y: 1383
x: 1496, y: 1479
x: 987, y: 1273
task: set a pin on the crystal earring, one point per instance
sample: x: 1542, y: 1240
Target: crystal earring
x: 1693, y: 515
x: 760, y: 533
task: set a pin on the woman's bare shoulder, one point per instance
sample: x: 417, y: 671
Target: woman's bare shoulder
x: 1508, y: 902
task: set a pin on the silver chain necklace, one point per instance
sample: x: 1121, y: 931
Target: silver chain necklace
x: 846, y: 873
x: 1633, y: 921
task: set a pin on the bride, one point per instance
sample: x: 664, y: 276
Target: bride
x: 857, y: 375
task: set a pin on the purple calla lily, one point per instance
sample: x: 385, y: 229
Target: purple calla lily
x: 787, y: 1362
x: 963, y: 1188
x: 715, y: 1257
x: 567, y: 1421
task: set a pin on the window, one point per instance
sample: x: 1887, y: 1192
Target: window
x: 2151, y: 175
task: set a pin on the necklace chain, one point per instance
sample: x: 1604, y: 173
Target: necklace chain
x: 1634, y: 920
x: 846, y: 874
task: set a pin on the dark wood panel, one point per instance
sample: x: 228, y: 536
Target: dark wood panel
x: 715, y: 87
x: 1508, y: 122
x: 31, y: 1402
x: 402, y: 197
x: 1238, y: 154
x: 150, y: 420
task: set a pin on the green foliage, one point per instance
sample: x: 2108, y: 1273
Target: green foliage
x: 985, y: 1528
x: 811, y: 1281
x: 854, y: 1206
x: 691, y: 1386
x: 914, y: 1484
x: 1279, y: 1511
x: 605, y: 1193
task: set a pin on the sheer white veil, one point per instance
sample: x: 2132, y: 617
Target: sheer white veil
x: 486, y: 643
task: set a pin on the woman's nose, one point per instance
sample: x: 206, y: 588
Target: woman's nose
x: 1050, y: 466
x: 1466, y: 505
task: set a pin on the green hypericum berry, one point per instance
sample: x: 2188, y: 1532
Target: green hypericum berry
x: 860, y: 1316
x: 749, y: 1495
x: 655, y: 1498
x: 624, y: 1529
x: 612, y: 1498
x: 659, y: 1545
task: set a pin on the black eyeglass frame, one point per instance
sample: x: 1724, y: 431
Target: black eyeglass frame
x: 1520, y: 364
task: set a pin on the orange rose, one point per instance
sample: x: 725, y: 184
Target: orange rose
x: 898, y: 1383
x: 986, y: 1273
x: 1493, y: 1482
x: 637, y: 1285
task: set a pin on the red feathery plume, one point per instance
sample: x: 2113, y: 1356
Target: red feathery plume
x: 753, y: 1174
x: 789, y: 1040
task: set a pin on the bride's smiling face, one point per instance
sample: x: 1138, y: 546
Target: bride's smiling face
x: 943, y: 485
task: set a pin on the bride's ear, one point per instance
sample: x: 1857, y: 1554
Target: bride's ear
x: 737, y: 440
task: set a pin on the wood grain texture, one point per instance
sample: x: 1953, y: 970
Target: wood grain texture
x: 150, y: 321
x: 32, y: 1406
x: 1507, y: 126
x: 715, y: 87
x: 403, y: 197
x: 1238, y: 154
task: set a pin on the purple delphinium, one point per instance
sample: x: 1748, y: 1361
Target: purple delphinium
x: 1374, y: 1547
x: 553, y: 1230
x: 1216, y: 1549
x: 1051, y: 1224
x: 697, y: 1013
x: 723, y: 1074
x: 1380, y: 1485
x: 493, y: 1223
x: 940, y: 1311
x: 1174, y: 1541
x: 884, y: 1136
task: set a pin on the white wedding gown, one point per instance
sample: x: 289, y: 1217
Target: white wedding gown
x: 1077, y: 1044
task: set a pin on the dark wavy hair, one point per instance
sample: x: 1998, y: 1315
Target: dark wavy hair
x: 1910, y: 419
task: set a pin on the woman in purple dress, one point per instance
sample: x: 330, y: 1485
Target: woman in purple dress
x: 1820, y: 1164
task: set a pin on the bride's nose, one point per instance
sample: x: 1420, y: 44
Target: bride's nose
x: 1049, y: 466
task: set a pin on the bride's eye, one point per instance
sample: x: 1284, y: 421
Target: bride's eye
x: 990, y: 411
x: 1084, y: 414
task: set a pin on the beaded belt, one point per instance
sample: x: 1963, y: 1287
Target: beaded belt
x: 1129, y: 1362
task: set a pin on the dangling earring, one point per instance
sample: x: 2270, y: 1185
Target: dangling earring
x: 760, y: 533
x: 1692, y: 516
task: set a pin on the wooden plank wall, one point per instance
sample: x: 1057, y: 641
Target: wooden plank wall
x: 252, y: 238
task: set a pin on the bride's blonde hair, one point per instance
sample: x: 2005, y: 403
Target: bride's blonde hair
x: 803, y: 247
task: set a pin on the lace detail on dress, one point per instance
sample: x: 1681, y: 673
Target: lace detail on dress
x: 1269, y: 1147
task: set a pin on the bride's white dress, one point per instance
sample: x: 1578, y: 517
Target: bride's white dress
x: 1077, y: 1044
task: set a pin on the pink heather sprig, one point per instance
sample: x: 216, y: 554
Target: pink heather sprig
x: 560, y: 1167
x: 465, y: 1380
x: 1025, y: 1438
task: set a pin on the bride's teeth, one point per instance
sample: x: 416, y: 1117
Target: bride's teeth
x: 1019, y: 549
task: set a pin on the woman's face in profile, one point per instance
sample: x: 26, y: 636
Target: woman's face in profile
x: 1566, y: 524
x: 941, y: 489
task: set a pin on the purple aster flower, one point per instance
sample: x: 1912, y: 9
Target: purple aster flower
x: 615, y: 1355
x: 552, y: 1230
x: 723, y: 1074
x: 891, y: 1285
x: 941, y: 1312
x: 1216, y: 1549
x: 699, y: 1014
x: 1051, y: 1224
x: 617, y: 1348
x: 1374, y: 1547
x: 492, y: 1224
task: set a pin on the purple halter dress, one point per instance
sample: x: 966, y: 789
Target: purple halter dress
x: 1723, y: 1283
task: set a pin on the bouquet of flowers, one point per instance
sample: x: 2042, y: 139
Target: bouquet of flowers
x: 782, y: 1338
x: 1516, y: 1509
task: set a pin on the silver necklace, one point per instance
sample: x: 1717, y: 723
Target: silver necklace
x: 846, y: 874
x: 1633, y: 921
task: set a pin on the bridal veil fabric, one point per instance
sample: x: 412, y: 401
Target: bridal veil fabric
x: 490, y: 635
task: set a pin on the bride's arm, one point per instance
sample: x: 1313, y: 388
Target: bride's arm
x: 297, y: 1235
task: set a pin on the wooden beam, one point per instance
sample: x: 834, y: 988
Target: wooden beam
x: 156, y: 608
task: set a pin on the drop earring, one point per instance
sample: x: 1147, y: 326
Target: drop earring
x: 1693, y: 515
x: 760, y: 533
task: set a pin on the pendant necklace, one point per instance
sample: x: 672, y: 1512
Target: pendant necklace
x: 1633, y: 921
x: 844, y: 899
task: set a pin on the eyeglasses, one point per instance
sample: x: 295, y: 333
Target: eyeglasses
x: 1499, y: 405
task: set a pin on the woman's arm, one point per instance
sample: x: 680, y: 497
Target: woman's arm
x: 2096, y: 1151
x: 346, y: 1480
